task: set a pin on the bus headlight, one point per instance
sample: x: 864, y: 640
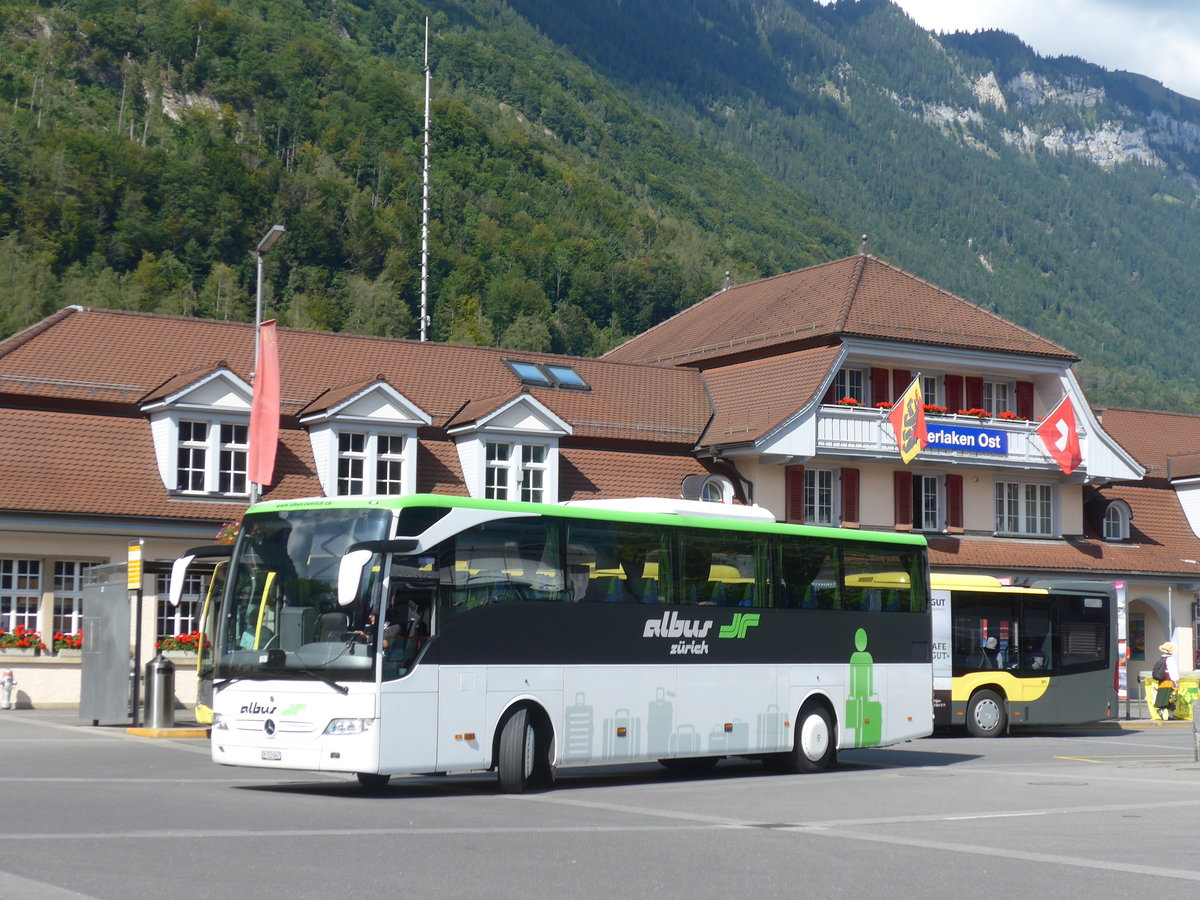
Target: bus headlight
x: 349, y: 726
x: 218, y: 722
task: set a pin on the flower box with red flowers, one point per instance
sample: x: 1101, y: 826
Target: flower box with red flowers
x: 848, y: 401
x: 22, y: 640
x: 187, y: 643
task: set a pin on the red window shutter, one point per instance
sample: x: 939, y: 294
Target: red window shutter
x: 974, y: 393
x: 829, y: 398
x: 954, y: 392
x: 954, y: 501
x: 901, y: 379
x: 903, y: 498
x: 795, y: 493
x: 1025, y: 399
x: 849, y: 496
x: 880, y: 381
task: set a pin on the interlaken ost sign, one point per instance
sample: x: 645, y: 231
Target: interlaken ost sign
x: 975, y: 440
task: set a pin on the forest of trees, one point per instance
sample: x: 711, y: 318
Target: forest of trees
x: 596, y: 167
x: 145, y: 148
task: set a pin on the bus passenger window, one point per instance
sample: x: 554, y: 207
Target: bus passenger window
x: 622, y: 560
x: 808, y: 574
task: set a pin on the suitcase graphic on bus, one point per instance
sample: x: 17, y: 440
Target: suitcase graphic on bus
x: 621, y: 738
x: 770, y: 729
x: 735, y: 739
x: 660, y: 722
x: 685, y: 740
x: 577, y: 731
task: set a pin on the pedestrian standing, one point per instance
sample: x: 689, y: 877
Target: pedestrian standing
x: 1166, y: 677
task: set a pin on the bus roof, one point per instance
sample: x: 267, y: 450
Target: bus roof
x: 951, y: 581
x: 692, y: 513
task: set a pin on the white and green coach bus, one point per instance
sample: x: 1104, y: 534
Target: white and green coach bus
x: 384, y: 636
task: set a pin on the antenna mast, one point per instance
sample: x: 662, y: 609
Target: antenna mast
x: 425, y: 204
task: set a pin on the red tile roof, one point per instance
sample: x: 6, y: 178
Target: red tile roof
x: 100, y: 465
x: 754, y: 397
x: 858, y: 295
x: 83, y: 376
x: 145, y: 355
x: 1155, y: 437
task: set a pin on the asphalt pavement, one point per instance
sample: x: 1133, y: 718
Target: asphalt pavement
x: 1109, y: 811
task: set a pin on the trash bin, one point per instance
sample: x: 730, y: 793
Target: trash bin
x: 160, y: 692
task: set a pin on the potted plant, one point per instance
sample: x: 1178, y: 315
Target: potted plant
x: 68, y: 644
x: 21, y: 641
x: 180, y: 644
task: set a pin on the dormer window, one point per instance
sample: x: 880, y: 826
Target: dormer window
x: 509, y: 449
x: 520, y: 464
x: 365, y: 441
x: 1116, y: 521
x: 370, y: 463
x: 201, y: 435
x: 211, y: 457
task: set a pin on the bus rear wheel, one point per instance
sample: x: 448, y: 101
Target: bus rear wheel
x: 815, y: 744
x: 986, y: 715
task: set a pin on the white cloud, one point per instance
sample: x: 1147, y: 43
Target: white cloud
x: 1156, y: 38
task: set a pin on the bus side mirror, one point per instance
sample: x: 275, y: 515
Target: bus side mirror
x: 180, y: 566
x: 350, y: 571
x: 178, y: 574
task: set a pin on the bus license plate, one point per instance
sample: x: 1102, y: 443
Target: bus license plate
x: 272, y: 754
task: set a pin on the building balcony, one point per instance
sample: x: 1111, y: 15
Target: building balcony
x: 987, y: 441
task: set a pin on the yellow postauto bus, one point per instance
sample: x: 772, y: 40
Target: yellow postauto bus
x: 1003, y: 655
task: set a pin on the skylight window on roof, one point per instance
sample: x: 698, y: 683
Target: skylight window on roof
x: 553, y: 375
x: 567, y: 377
x: 529, y: 373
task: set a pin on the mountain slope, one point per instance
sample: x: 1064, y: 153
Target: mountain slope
x: 596, y: 167
x: 1060, y: 195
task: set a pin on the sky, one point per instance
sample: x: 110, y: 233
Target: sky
x: 1157, y: 38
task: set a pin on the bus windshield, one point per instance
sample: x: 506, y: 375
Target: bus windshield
x: 281, y: 616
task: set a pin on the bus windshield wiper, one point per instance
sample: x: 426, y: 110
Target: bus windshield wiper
x: 322, y: 677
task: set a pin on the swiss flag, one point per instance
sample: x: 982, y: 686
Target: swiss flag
x: 1057, y: 432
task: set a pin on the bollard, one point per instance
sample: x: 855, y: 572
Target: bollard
x: 6, y: 685
x: 160, y: 692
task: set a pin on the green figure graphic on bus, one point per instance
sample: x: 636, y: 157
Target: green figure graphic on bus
x: 864, y: 711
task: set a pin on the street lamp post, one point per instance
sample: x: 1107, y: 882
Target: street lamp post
x: 270, y: 239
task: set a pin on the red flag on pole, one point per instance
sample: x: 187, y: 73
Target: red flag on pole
x: 1057, y: 432
x: 908, y: 422
x: 264, y: 410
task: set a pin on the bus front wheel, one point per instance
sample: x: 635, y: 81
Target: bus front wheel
x: 372, y: 781
x: 516, y: 757
x: 986, y: 715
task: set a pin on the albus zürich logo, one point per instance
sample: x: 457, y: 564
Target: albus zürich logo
x: 690, y: 634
